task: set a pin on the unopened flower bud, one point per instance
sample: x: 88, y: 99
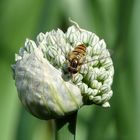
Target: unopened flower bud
x: 46, y: 86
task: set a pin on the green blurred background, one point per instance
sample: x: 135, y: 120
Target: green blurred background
x: 117, y: 21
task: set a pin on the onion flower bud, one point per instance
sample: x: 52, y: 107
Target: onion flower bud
x: 45, y: 86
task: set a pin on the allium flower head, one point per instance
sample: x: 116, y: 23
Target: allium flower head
x: 46, y: 87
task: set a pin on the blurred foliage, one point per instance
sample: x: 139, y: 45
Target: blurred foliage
x: 117, y: 21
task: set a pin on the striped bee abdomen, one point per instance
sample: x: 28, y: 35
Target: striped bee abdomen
x: 76, y: 58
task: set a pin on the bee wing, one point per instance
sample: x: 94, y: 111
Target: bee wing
x: 109, y: 53
x: 85, y: 62
x: 98, y: 59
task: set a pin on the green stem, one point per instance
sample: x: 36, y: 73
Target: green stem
x: 66, y: 127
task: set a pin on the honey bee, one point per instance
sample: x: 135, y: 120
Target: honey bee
x: 76, y: 58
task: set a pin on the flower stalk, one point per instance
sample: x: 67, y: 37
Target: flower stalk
x: 66, y: 127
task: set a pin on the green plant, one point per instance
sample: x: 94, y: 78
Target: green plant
x: 49, y: 90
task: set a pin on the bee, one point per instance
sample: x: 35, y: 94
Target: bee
x: 76, y: 58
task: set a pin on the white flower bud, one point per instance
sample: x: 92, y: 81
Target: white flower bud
x: 77, y: 78
x: 93, y: 40
x: 41, y: 38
